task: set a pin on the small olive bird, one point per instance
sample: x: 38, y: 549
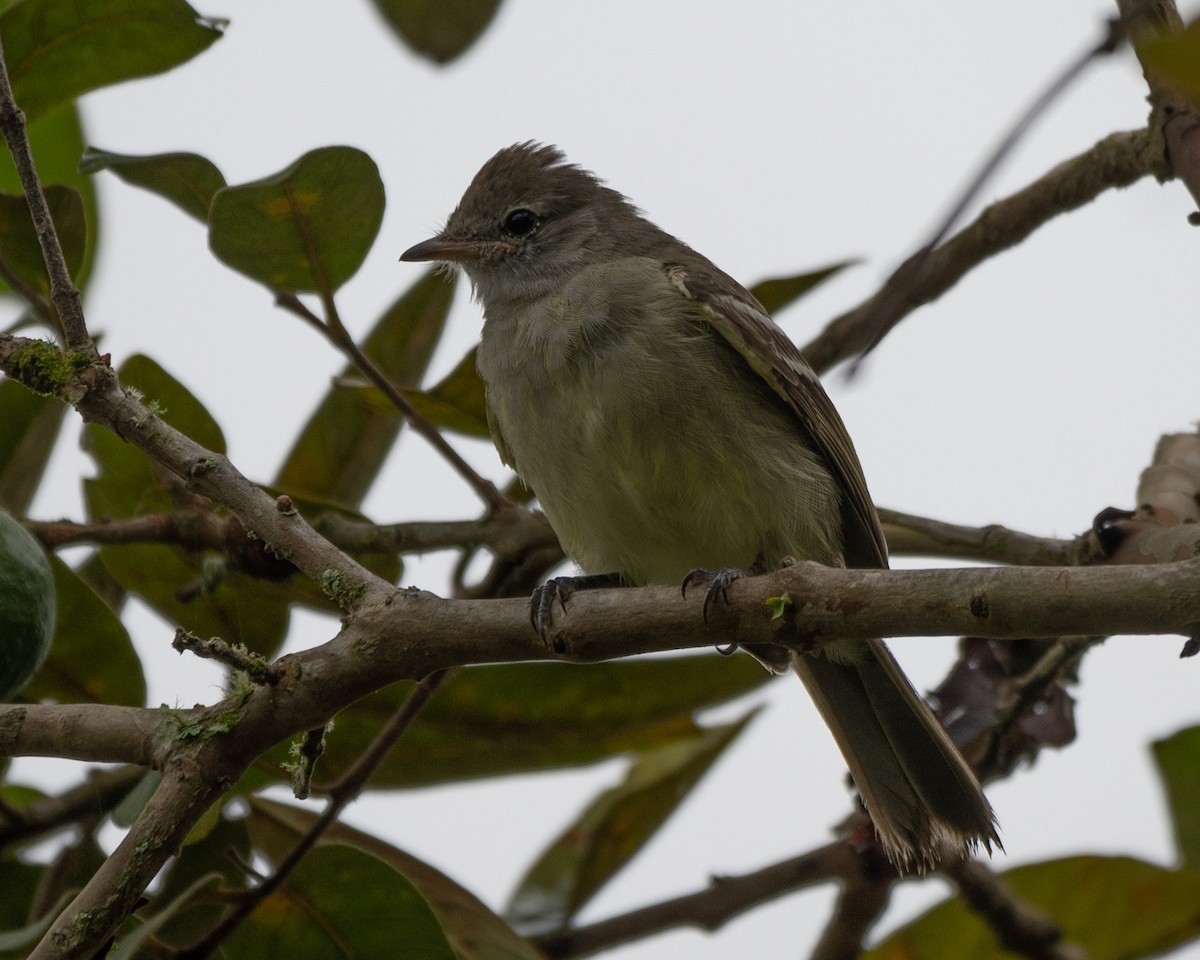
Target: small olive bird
x: 668, y: 426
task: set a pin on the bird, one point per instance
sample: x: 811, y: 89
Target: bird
x: 672, y: 432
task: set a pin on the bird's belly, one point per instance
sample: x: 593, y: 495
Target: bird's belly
x: 651, y: 487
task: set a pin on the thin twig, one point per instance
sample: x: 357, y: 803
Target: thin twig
x: 908, y: 276
x: 63, y: 292
x: 725, y: 898
x: 97, y: 795
x: 235, y: 656
x: 336, y: 333
x: 341, y: 792
x: 909, y: 534
x: 1017, y: 925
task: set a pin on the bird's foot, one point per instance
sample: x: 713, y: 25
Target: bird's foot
x: 559, y: 590
x: 718, y: 586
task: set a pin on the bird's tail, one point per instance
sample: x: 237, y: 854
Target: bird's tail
x: 917, y: 788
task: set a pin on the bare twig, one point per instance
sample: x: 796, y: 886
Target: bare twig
x: 237, y: 657
x: 337, y: 334
x: 63, y: 292
x: 102, y: 791
x: 897, y: 292
x: 725, y: 898
x: 1016, y: 924
x: 1118, y: 160
x: 922, y: 536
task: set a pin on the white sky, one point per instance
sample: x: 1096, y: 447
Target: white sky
x: 774, y: 137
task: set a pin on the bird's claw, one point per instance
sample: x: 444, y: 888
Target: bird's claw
x: 718, y: 585
x: 560, y: 589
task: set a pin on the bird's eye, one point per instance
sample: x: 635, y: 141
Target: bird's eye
x: 519, y: 223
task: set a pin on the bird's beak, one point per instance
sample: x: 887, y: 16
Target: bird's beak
x: 444, y: 248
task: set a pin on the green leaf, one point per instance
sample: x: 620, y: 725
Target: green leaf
x: 341, y: 449
x: 342, y: 902
x: 474, y: 931
x: 29, y: 425
x: 1177, y: 59
x: 457, y: 402
x: 58, y: 49
x: 186, y: 179
x: 128, y: 945
x: 18, y: 882
x: 612, y: 829
x: 16, y: 944
x: 307, y: 228
x: 438, y: 29
x: 779, y: 292
x: 184, y: 586
x: 1178, y: 760
x: 57, y: 141
x: 514, y: 718
x: 92, y: 659
x: 1115, y: 908
x: 222, y: 852
x: 19, y: 247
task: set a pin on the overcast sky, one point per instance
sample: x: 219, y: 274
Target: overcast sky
x: 774, y: 137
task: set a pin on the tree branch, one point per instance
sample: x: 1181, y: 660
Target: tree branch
x: 63, y: 292
x: 99, y: 733
x: 922, y: 536
x: 336, y: 333
x: 709, y: 909
x: 862, y: 900
x: 1017, y: 925
x: 1118, y: 160
x: 102, y: 791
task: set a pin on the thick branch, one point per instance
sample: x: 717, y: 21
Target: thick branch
x: 1118, y: 160
x: 863, y: 898
x: 98, y: 733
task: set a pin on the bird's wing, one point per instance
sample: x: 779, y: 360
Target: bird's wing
x: 741, y: 320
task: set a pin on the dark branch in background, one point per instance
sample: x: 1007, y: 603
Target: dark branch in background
x: 1118, y: 160
x: 98, y: 795
x: 708, y: 909
x: 863, y: 898
x: 63, y: 292
x: 336, y: 333
x: 1017, y: 926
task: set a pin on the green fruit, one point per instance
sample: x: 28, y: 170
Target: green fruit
x: 26, y: 606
